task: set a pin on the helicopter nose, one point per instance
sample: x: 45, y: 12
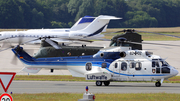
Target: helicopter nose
x: 174, y: 72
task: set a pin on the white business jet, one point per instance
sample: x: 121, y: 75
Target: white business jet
x: 83, y: 30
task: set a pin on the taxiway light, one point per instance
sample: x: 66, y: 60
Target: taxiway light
x: 86, y: 88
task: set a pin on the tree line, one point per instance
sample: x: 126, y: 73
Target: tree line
x: 64, y: 13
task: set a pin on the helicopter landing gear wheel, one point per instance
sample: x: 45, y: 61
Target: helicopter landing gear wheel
x: 98, y: 83
x: 106, y: 83
x: 158, y: 84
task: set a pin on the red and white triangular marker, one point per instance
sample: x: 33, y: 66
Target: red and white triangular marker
x: 6, y: 78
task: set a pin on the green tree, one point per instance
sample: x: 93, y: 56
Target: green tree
x: 10, y: 15
x: 140, y: 19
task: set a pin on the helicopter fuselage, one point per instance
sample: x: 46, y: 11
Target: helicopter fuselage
x: 109, y: 64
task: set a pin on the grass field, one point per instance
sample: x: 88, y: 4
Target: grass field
x: 98, y: 97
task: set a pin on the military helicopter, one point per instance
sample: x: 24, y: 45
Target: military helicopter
x: 108, y: 64
x: 46, y: 50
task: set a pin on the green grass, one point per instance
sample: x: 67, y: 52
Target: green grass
x: 175, y: 79
x: 99, y: 97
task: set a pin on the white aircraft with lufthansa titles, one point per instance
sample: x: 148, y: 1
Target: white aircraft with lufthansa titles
x: 109, y: 64
x: 87, y: 28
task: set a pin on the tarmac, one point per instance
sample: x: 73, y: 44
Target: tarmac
x: 170, y: 53
x: 31, y: 87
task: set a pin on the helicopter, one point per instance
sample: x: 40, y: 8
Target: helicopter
x: 108, y: 64
x: 46, y: 50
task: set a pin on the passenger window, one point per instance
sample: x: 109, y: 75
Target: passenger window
x: 138, y: 66
x: 104, y: 65
x: 116, y: 65
x: 123, y: 66
x: 88, y: 66
x: 132, y: 65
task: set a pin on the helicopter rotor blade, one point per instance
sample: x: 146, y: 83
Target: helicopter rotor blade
x: 20, y: 39
x: 6, y: 45
x: 14, y: 60
x: 158, y: 33
x: 52, y: 43
x: 115, y: 32
x: 152, y: 43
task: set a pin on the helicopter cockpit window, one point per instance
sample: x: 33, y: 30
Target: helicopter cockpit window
x: 165, y: 70
x: 88, y: 66
x: 138, y: 66
x: 155, y: 63
x: 163, y: 63
x: 123, y: 66
x: 104, y: 65
x: 164, y: 66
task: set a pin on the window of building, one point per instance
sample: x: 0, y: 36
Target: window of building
x: 88, y: 66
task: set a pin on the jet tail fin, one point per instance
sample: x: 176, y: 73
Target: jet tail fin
x: 98, y: 25
x: 82, y: 23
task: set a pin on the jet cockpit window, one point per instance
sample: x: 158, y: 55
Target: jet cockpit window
x: 138, y: 66
x: 123, y: 66
x: 104, y: 65
x: 88, y: 66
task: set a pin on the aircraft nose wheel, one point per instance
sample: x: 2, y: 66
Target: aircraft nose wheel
x: 158, y: 84
x: 98, y: 83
